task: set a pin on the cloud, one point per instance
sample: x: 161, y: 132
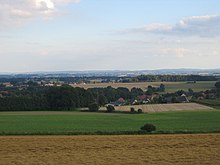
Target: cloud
x: 203, y: 26
x: 17, y: 13
x: 177, y: 52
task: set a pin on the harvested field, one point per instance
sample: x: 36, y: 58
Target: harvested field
x: 135, y: 149
x: 164, y: 107
x: 169, y: 86
x: 142, y: 85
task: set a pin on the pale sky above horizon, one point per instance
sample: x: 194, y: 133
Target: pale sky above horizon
x: 59, y: 35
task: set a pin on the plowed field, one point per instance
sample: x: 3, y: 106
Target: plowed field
x: 150, y: 149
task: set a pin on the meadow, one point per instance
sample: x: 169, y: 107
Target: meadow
x: 170, y: 86
x: 72, y: 122
x: 210, y: 102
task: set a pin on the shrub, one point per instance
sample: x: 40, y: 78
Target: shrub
x: 110, y: 108
x: 140, y: 110
x: 148, y: 128
x: 132, y: 110
x: 217, y: 84
x: 93, y: 107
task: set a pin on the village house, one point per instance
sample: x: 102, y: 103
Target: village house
x: 182, y: 99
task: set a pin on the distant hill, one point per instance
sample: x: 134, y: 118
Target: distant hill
x: 109, y: 73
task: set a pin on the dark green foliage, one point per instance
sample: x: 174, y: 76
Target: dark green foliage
x: 190, y: 91
x: 123, y: 92
x: 102, y: 100
x: 162, y: 88
x: 136, y: 92
x: 140, y: 110
x: 132, y: 110
x: 93, y: 107
x: 151, y: 90
x: 148, y: 128
x: 110, y: 108
x: 174, y: 78
x: 217, y: 84
x: 61, y: 98
x: 23, y: 103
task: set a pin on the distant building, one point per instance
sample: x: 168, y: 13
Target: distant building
x: 182, y: 99
x: 7, y: 84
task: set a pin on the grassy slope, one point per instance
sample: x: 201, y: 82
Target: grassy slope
x: 30, y: 122
x: 210, y: 102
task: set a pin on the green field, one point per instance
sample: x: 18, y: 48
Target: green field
x: 215, y: 103
x: 196, y: 87
x: 210, y: 102
x: 63, y: 122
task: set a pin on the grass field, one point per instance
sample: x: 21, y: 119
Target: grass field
x: 210, y: 102
x: 170, y: 86
x: 196, y: 87
x: 149, y: 149
x: 63, y: 122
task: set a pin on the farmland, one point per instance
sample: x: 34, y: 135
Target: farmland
x: 150, y: 149
x: 72, y: 122
x: 210, y: 102
x: 164, y: 107
x: 170, y: 86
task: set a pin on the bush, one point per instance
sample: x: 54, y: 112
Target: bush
x: 140, y: 110
x: 110, y: 108
x: 217, y: 84
x: 93, y: 107
x: 148, y: 128
x: 132, y: 110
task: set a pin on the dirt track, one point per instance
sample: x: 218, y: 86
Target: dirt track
x: 148, y: 149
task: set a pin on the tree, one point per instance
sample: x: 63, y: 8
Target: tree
x: 110, y: 108
x: 102, y: 100
x: 132, y: 110
x: 148, y: 128
x: 162, y: 87
x: 136, y: 92
x: 217, y: 84
x: 93, y: 107
x: 140, y: 110
x: 61, y: 97
x: 190, y: 91
x: 149, y: 91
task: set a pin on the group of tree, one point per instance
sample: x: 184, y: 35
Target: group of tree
x: 63, y: 98
x: 68, y: 98
x: 141, y: 78
x: 151, y: 90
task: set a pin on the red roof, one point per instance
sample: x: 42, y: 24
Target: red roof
x: 121, y: 100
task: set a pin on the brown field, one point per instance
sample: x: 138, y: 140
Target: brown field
x: 142, y: 85
x: 134, y: 149
x: 164, y: 107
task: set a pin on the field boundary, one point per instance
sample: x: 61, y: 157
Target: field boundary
x: 103, y: 133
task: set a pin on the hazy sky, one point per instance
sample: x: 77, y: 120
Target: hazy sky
x: 52, y: 35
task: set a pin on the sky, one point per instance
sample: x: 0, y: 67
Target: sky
x: 68, y: 35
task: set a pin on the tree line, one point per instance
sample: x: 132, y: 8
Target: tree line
x: 141, y: 78
x: 64, y: 97
x: 174, y: 78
